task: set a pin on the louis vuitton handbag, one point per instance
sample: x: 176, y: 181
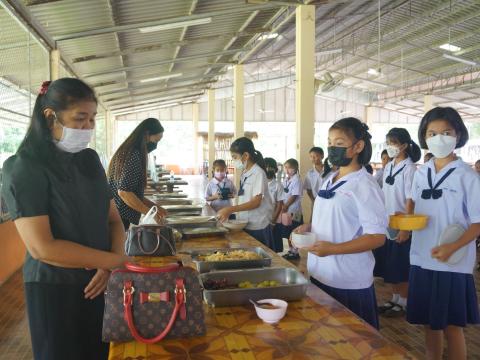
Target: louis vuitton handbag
x: 148, y: 304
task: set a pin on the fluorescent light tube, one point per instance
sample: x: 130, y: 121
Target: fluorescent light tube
x: 450, y: 47
x: 373, y: 71
x: 268, y: 36
x: 169, y: 76
x: 459, y: 59
x: 175, y: 25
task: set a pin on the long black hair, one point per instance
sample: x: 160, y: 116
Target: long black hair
x: 58, y: 95
x: 353, y: 127
x: 136, y: 141
x: 245, y: 145
x: 403, y: 137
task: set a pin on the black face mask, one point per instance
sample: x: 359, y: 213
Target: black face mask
x: 151, y: 146
x: 270, y: 174
x: 337, y: 156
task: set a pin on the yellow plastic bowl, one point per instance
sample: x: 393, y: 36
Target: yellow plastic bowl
x: 408, y: 222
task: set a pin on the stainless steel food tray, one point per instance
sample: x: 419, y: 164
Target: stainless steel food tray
x: 205, y: 266
x: 293, y: 288
x: 203, y: 231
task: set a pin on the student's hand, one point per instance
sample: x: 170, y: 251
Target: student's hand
x: 216, y: 196
x: 223, y: 214
x: 321, y: 248
x: 302, y: 229
x: 97, y: 285
x: 443, y: 252
x: 402, y: 236
x: 284, y: 208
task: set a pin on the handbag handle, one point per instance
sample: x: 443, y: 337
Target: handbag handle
x: 128, y: 291
x: 145, y: 269
x: 141, y: 247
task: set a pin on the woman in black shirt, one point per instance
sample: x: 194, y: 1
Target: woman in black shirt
x: 127, y: 173
x: 57, y: 194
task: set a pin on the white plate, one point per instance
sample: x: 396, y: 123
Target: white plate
x: 451, y: 234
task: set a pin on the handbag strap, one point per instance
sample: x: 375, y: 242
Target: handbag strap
x: 128, y: 291
x: 146, y: 269
x: 140, y: 246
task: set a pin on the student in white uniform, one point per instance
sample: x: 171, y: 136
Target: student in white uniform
x: 349, y: 220
x: 397, y: 188
x: 275, y: 189
x: 254, y: 203
x: 291, y: 216
x: 441, y: 294
x: 220, y: 190
x: 314, y: 177
x: 379, y: 173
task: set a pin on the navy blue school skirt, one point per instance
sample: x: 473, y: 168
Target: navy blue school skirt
x: 277, y: 238
x: 265, y: 236
x: 285, y: 231
x: 397, y: 261
x: 441, y: 298
x: 379, y: 254
x: 362, y: 302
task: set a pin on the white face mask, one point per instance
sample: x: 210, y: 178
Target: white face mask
x: 239, y: 165
x: 393, y: 151
x: 441, y: 145
x: 73, y: 140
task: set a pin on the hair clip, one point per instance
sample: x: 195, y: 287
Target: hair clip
x: 44, y: 88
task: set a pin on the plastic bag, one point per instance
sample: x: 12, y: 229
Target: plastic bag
x: 149, y: 218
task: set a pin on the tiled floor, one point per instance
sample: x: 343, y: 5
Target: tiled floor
x: 15, y: 341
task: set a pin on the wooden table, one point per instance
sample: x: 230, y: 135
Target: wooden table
x: 317, y: 327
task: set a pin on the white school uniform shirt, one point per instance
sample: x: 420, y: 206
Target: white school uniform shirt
x: 275, y: 190
x: 379, y: 176
x: 356, y: 209
x: 254, y: 182
x: 313, y: 181
x: 459, y: 204
x: 294, y: 186
x: 213, y: 188
x: 396, y: 195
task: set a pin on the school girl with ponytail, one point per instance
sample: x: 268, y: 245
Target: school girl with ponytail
x: 254, y: 202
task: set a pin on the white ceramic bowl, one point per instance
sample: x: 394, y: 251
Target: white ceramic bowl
x: 235, y: 224
x: 272, y: 316
x: 306, y: 239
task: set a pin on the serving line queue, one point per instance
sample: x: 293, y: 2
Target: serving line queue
x: 72, y: 219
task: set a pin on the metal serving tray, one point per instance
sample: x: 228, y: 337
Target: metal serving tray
x: 293, y: 288
x: 203, y: 231
x: 205, y: 266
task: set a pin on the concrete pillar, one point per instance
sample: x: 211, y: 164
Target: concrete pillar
x: 238, y: 108
x: 195, y: 119
x: 211, y: 131
x: 304, y: 97
x: 428, y: 103
x: 368, y: 117
x: 54, y: 64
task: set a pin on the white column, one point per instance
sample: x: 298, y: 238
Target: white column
x: 195, y: 119
x: 238, y: 108
x: 428, y: 103
x: 54, y: 64
x: 211, y: 131
x: 304, y: 97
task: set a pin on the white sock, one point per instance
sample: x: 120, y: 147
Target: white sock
x: 395, y: 298
x: 402, y: 301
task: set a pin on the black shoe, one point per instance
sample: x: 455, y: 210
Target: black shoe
x: 385, y: 307
x: 291, y: 256
x: 394, y: 312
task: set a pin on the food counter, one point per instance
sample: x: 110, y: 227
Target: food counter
x: 316, y: 327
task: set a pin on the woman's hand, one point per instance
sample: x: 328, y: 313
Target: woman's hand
x: 443, y: 252
x: 322, y: 248
x: 402, y: 236
x: 224, y: 214
x: 97, y: 285
x: 160, y: 215
x: 284, y: 208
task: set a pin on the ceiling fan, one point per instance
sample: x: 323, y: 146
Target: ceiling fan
x: 327, y: 82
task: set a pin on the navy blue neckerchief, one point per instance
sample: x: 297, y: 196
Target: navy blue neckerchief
x: 286, y: 188
x: 329, y: 193
x: 390, y: 180
x: 433, y: 192
x: 241, y: 191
